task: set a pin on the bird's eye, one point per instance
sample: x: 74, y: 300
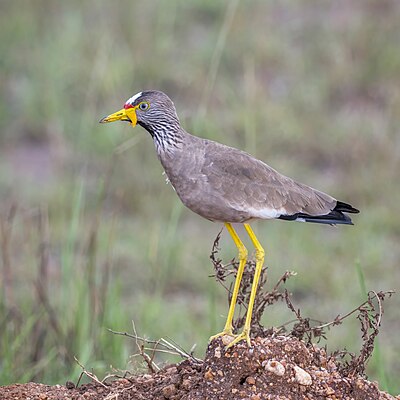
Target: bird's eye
x: 144, y: 105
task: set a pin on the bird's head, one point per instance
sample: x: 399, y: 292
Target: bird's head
x: 153, y: 110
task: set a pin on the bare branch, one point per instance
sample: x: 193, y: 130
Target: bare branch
x: 90, y: 375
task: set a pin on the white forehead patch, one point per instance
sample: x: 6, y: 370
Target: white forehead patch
x: 133, y: 98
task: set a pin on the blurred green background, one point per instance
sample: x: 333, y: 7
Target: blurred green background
x: 92, y: 237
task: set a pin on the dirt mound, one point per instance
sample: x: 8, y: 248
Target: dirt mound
x: 273, y: 368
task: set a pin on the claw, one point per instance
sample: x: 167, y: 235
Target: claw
x: 245, y: 335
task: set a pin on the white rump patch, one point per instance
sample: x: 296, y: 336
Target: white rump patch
x: 266, y: 213
x: 133, y: 98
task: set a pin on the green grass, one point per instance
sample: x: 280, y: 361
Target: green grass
x: 311, y: 88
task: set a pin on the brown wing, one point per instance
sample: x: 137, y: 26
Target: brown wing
x: 246, y: 183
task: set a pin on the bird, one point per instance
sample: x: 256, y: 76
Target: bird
x: 227, y: 185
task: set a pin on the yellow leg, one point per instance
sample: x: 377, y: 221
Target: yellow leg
x: 245, y: 335
x: 228, y: 330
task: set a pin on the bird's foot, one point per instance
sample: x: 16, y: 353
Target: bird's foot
x: 226, y: 332
x: 245, y: 335
x: 229, y: 339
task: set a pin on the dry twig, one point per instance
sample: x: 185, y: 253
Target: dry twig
x: 159, y: 346
x: 90, y: 375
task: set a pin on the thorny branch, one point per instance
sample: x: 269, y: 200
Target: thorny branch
x: 369, y: 313
x: 370, y: 316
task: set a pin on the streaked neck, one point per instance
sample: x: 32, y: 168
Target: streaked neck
x: 167, y: 137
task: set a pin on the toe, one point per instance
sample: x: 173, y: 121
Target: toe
x: 223, y: 333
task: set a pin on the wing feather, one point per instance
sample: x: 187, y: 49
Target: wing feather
x: 248, y: 184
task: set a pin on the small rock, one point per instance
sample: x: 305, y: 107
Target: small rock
x: 209, y: 375
x: 217, y: 352
x: 329, y: 391
x: 226, y: 339
x: 274, y: 367
x: 169, y: 391
x: 331, y: 366
x: 186, y: 384
x: 250, y: 380
x: 70, y: 385
x: 234, y: 391
x: 149, y: 381
x: 255, y: 397
x: 171, y: 370
x: 302, y: 377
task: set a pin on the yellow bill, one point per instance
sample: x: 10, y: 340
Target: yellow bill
x: 126, y: 114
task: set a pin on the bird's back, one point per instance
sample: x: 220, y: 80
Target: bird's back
x: 226, y: 184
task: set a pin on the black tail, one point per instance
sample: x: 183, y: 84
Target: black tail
x: 336, y: 216
x: 344, y: 207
